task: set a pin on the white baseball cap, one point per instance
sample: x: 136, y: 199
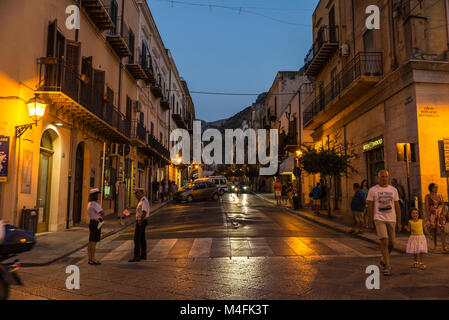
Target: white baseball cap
x: 93, y: 191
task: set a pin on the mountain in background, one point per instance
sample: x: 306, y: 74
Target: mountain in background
x: 235, y: 121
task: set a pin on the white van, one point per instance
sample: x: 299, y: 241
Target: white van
x: 220, y: 181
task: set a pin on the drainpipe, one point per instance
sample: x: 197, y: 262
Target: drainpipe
x: 392, y: 36
x: 353, y: 27
x: 102, y: 174
x: 69, y: 178
x: 447, y: 22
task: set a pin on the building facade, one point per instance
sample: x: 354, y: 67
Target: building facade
x: 106, y: 124
x: 378, y: 90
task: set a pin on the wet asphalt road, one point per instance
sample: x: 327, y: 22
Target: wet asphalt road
x: 237, y: 248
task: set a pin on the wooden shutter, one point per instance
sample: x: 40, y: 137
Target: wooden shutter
x: 110, y: 95
x: 51, y: 42
x: 99, y: 81
x: 129, y: 107
x: 87, y: 70
x: 73, y: 55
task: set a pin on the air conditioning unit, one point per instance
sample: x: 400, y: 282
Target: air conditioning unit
x: 344, y: 50
x: 137, y: 106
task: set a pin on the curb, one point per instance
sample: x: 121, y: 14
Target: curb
x: 43, y: 264
x: 323, y: 224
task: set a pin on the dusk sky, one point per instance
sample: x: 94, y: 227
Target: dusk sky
x: 222, y: 50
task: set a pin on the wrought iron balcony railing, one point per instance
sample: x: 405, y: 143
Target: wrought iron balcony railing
x: 368, y: 64
x: 55, y: 76
x: 326, y: 43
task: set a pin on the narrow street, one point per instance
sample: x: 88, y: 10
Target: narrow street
x: 237, y: 248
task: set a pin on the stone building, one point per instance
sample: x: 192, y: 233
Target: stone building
x: 378, y: 89
x: 105, y: 85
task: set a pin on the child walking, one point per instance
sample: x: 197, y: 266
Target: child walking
x: 417, y: 243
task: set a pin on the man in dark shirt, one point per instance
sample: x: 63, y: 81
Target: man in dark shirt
x: 357, y: 208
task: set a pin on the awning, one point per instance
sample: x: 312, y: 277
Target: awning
x: 287, y: 166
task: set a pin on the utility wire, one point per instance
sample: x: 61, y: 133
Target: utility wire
x: 238, y: 9
x: 234, y: 93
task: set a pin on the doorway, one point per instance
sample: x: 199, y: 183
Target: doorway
x: 78, y: 188
x: 44, y: 182
x: 375, y: 163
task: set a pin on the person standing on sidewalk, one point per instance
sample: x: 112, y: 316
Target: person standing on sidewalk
x: 435, y: 214
x: 323, y: 197
x: 316, y: 196
x: 401, y: 192
x: 357, y: 208
x: 384, y: 210
x: 278, y: 191
x: 365, y: 189
x: 142, y: 213
x: 95, y: 212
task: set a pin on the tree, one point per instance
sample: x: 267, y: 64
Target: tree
x: 328, y: 163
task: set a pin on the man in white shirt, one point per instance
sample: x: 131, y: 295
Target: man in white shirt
x: 385, y: 211
x: 142, y: 213
x: 2, y: 231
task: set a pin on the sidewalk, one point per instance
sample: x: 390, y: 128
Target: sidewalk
x: 53, y: 246
x: 341, y: 221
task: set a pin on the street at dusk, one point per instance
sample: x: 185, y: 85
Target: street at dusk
x: 243, y: 155
x: 241, y: 248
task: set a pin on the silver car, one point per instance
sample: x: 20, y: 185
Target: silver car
x: 201, y: 190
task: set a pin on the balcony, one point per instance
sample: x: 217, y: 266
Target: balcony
x: 358, y: 76
x: 180, y: 123
x: 138, y: 131
x: 136, y: 64
x: 99, y: 13
x: 155, y: 148
x: 323, y: 49
x: 164, y: 103
x: 76, y: 99
x: 118, y: 38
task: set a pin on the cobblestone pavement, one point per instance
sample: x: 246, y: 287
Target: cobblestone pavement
x: 237, y: 248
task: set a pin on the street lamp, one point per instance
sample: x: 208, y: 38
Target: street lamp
x: 298, y: 179
x: 36, y: 110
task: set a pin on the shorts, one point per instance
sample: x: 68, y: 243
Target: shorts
x: 278, y: 193
x: 358, y: 216
x: 386, y: 230
x: 94, y: 232
x: 316, y: 202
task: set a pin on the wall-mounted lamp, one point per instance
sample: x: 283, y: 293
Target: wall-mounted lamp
x: 36, y: 110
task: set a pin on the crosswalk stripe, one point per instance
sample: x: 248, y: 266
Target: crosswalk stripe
x: 300, y: 247
x: 259, y: 247
x: 201, y: 248
x: 189, y: 248
x: 119, y: 252
x: 162, y: 248
x: 339, y: 247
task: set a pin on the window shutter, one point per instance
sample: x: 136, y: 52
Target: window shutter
x: 99, y: 81
x: 51, y: 43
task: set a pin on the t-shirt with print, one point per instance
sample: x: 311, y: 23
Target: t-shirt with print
x: 383, y: 198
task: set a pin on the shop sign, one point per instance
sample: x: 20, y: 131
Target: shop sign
x: 373, y: 144
x: 4, y: 158
x: 446, y: 154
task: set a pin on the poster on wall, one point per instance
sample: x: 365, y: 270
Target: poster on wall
x: 26, y: 172
x: 4, y: 158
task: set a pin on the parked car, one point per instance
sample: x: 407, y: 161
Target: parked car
x: 220, y: 181
x: 199, y: 190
